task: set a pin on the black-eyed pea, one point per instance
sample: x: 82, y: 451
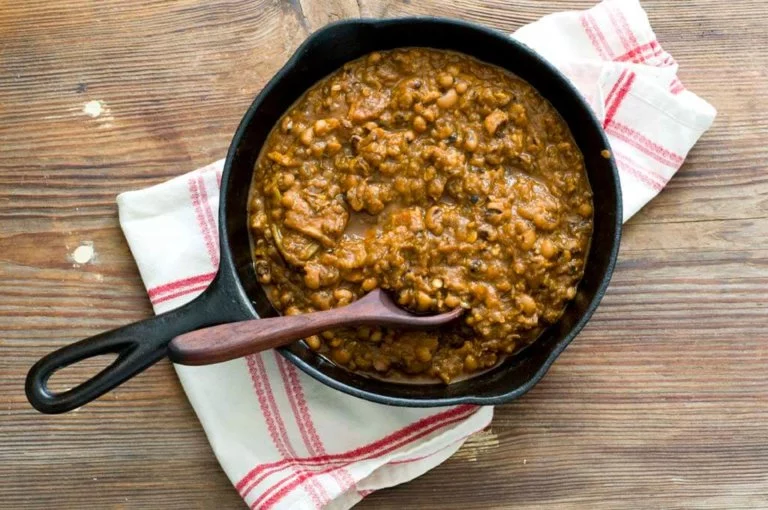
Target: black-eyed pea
x: 314, y: 342
x: 405, y: 298
x: 445, y: 80
x: 423, y: 354
x: 542, y: 222
x: 381, y: 364
x: 343, y: 296
x: 405, y: 100
x: 393, y: 150
x: 419, y: 124
x: 526, y: 304
x: 585, y: 209
x: 477, y: 160
x: 307, y: 136
x: 317, y: 148
x: 333, y: 146
x: 435, y: 188
x: 470, y: 142
x: 528, y: 240
x: 312, y: 277
x: 452, y: 301
x: 286, y: 181
x: 547, y: 248
x: 433, y: 220
x: 324, y: 126
x: 493, y: 120
x: 443, y: 132
x: 423, y: 301
x: 448, y: 100
x: 341, y: 356
x: 479, y: 291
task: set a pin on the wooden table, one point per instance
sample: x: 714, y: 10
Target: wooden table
x: 662, y: 402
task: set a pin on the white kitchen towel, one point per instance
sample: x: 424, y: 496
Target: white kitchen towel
x: 287, y: 441
x: 611, y: 54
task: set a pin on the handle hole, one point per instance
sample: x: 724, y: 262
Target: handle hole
x: 70, y: 376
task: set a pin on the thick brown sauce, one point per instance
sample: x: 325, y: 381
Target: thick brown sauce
x: 444, y: 180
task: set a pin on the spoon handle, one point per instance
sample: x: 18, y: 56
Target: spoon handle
x: 229, y: 341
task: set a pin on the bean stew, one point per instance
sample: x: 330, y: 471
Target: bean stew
x: 441, y: 179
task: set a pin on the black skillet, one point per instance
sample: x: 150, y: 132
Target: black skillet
x: 235, y: 294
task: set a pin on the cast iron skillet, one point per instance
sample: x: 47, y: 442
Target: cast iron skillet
x: 235, y: 294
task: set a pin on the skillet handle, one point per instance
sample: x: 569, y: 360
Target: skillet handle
x: 138, y: 346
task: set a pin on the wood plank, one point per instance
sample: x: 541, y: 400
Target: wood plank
x: 661, y: 402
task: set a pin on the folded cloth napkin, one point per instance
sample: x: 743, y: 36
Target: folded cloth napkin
x: 287, y: 441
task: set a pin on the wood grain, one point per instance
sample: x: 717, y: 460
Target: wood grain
x: 662, y: 402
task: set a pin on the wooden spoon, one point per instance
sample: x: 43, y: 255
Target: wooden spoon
x: 230, y: 341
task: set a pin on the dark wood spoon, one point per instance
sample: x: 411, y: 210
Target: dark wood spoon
x: 230, y: 341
